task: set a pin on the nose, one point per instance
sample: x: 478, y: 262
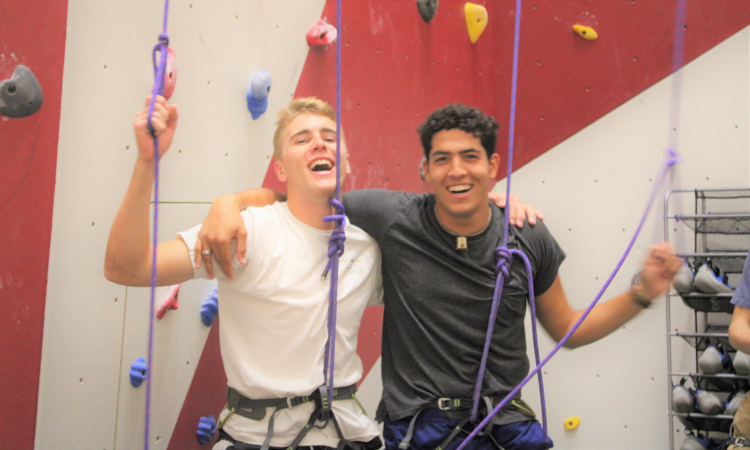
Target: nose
x: 318, y: 142
x: 456, y: 169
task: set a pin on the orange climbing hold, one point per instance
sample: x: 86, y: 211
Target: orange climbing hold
x: 585, y: 32
x: 476, y: 20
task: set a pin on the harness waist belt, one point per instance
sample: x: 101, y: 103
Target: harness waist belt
x: 255, y: 409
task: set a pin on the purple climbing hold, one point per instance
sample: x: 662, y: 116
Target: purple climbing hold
x: 427, y: 9
x: 138, y: 372
x: 210, y: 307
x: 21, y: 94
x: 257, y: 94
x: 206, y: 429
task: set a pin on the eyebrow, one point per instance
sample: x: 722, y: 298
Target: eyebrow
x: 305, y: 131
x: 462, y: 152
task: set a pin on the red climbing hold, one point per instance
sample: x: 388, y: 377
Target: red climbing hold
x: 170, y: 301
x: 321, y: 33
x: 170, y: 75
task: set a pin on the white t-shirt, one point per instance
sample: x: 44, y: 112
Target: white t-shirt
x: 274, y: 317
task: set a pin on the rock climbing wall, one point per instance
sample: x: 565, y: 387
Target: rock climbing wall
x: 594, y: 109
x: 28, y: 151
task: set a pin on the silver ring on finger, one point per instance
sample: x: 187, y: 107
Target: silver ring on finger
x: 206, y: 252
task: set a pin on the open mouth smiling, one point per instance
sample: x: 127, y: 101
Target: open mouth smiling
x: 321, y: 165
x: 460, y: 188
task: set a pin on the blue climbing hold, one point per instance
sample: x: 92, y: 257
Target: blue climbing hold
x: 21, y: 94
x: 210, y: 307
x: 257, y: 94
x: 206, y: 429
x: 138, y: 372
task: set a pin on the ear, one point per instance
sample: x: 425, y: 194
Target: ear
x: 278, y: 167
x: 426, y: 170
x: 494, y: 165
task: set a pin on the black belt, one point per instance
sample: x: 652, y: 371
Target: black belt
x: 255, y: 409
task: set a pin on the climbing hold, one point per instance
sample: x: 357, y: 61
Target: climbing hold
x: 571, y: 423
x: 708, y: 403
x: 714, y: 360
x: 476, y: 20
x: 257, y: 93
x: 427, y: 9
x: 21, y: 94
x: 210, y: 307
x: 170, y: 301
x: 585, y: 32
x: 683, y: 399
x: 170, y: 75
x: 206, y: 429
x: 322, y: 33
x: 138, y: 371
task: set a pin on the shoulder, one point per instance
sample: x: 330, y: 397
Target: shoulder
x: 384, y: 199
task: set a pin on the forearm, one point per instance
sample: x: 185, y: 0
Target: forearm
x: 739, y: 330
x: 128, y: 256
x: 604, y: 319
x: 256, y: 197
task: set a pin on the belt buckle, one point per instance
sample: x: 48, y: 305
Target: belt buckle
x: 444, y: 404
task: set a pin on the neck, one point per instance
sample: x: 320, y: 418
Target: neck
x: 469, y: 225
x: 310, y: 210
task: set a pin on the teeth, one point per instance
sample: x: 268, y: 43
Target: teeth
x: 460, y: 188
x: 320, y: 164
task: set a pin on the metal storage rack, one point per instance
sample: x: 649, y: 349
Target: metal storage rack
x: 708, y: 219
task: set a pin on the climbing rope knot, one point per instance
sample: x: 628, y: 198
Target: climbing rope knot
x: 503, y: 256
x: 674, y: 158
x: 163, y: 39
x: 336, y: 241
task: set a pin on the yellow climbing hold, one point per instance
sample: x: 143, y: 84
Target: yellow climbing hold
x: 476, y: 20
x: 585, y: 32
x: 571, y: 423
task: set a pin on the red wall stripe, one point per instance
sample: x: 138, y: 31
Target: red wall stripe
x: 32, y: 33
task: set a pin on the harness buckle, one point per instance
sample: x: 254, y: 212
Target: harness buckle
x: 444, y: 404
x: 289, y: 402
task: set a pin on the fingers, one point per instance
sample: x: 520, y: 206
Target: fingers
x: 241, y: 245
x: 531, y: 215
x: 209, y: 263
x: 224, y: 257
x: 499, y: 198
x: 197, y: 253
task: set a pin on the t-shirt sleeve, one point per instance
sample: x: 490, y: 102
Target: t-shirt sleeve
x: 191, y: 236
x: 373, y: 210
x: 548, y: 256
x: 742, y: 293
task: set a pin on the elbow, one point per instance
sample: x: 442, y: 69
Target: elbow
x: 115, y: 272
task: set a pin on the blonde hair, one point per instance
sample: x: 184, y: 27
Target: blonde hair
x: 296, y: 107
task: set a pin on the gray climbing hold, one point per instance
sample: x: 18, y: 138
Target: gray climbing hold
x: 427, y: 9
x: 692, y: 443
x: 21, y: 94
x: 713, y: 360
x: 708, y: 403
x: 733, y: 404
x: 682, y: 400
x: 683, y: 280
x: 741, y: 363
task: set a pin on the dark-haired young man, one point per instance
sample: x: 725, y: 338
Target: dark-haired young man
x: 438, y: 277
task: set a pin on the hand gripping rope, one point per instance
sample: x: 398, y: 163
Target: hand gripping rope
x: 159, y: 69
x: 504, y: 255
x: 336, y: 241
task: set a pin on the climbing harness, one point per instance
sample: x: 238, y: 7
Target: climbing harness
x: 158, y: 89
x: 504, y: 255
x: 255, y: 409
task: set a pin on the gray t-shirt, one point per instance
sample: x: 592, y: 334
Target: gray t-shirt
x: 742, y: 293
x: 437, y: 301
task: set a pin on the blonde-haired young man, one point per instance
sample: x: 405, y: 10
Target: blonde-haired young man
x: 274, y: 308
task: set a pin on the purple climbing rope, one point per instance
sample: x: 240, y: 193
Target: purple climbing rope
x: 159, y: 69
x: 504, y: 256
x: 336, y: 241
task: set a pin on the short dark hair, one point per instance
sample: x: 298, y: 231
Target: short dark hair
x: 462, y: 117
